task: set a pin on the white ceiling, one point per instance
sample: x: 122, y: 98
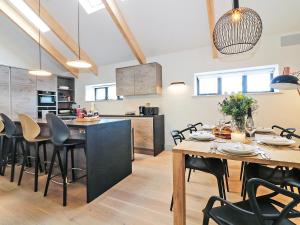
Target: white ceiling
x: 160, y: 26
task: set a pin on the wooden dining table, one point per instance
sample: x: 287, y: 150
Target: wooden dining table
x: 277, y: 156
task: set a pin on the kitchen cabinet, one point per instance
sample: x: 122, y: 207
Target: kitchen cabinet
x: 23, y: 93
x: 47, y: 83
x: 4, y: 87
x: 143, y: 79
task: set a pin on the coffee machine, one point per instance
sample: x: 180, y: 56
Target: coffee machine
x: 148, y: 111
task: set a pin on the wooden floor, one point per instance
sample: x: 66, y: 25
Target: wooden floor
x: 141, y: 199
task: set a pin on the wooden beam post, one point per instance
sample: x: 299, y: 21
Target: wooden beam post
x: 34, y: 34
x: 211, y: 23
x: 61, y: 33
x: 119, y: 20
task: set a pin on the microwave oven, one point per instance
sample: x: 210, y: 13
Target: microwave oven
x: 46, y: 98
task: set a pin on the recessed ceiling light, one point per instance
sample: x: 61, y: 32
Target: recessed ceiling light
x: 91, y: 6
x: 30, y: 15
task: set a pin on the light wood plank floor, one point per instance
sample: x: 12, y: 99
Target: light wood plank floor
x: 141, y: 199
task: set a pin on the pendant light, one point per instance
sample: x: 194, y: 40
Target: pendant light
x: 79, y: 63
x: 287, y: 81
x: 40, y: 71
x: 238, y: 30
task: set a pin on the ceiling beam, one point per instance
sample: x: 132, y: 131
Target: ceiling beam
x: 61, y: 33
x: 211, y: 23
x: 34, y: 34
x: 119, y: 20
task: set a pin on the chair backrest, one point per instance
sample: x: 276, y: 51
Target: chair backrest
x: 1, y: 126
x: 177, y: 136
x: 29, y: 127
x: 59, y: 130
x: 10, y: 127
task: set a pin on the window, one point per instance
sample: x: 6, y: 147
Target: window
x: 101, y: 92
x: 245, y: 80
x: 91, y: 6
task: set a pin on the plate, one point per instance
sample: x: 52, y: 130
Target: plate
x: 274, y: 140
x: 202, y: 136
x: 208, y: 127
x: 264, y: 130
x: 237, y: 149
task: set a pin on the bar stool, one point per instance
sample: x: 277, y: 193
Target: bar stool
x: 31, y: 133
x: 15, y: 138
x: 60, y: 134
x: 2, y: 136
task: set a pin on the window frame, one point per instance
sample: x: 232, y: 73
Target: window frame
x: 102, y: 86
x: 245, y: 73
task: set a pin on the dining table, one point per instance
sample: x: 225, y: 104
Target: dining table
x: 286, y: 156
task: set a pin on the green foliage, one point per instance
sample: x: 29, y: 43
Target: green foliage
x: 237, y: 105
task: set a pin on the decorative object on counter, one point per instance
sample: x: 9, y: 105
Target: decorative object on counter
x: 148, y: 111
x: 286, y: 81
x: 79, y: 63
x: 237, y: 106
x: 130, y: 113
x: 178, y: 83
x: 88, y: 119
x: 40, y: 71
x: 238, y: 30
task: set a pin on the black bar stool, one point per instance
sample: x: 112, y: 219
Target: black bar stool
x: 2, y: 138
x: 15, y: 138
x: 31, y: 133
x: 60, y: 138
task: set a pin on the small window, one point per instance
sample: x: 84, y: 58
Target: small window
x: 208, y: 86
x: 246, y: 80
x: 232, y: 84
x: 101, y: 92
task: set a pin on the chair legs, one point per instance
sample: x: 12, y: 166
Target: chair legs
x: 50, y: 171
x: 189, y: 175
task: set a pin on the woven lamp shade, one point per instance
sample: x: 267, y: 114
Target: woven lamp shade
x: 237, y: 31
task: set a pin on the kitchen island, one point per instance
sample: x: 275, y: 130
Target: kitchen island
x: 108, y: 152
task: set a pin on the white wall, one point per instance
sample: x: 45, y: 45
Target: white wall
x: 181, y: 108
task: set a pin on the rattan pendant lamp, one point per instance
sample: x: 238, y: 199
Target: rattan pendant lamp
x: 238, y: 30
x: 79, y: 63
x: 40, y: 71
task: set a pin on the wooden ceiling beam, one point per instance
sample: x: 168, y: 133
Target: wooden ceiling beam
x: 61, y: 33
x: 211, y: 23
x: 16, y: 18
x: 116, y: 15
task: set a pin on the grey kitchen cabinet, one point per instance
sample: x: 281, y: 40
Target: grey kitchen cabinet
x: 4, y: 87
x: 47, y: 83
x: 23, y: 93
x: 143, y: 79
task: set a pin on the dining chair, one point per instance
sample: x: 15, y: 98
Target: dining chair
x: 15, y: 139
x: 31, y: 133
x: 208, y: 165
x: 275, y: 175
x: 257, y: 210
x: 60, y: 137
x: 193, y: 128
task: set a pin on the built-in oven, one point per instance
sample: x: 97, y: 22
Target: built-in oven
x: 46, y: 103
x: 46, y: 98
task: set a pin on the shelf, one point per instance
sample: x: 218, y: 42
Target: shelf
x: 64, y: 89
x: 65, y: 101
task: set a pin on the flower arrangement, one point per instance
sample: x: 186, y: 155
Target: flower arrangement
x: 236, y: 106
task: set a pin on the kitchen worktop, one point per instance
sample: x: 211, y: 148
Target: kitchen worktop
x: 120, y: 115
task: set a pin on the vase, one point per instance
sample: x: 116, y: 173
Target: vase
x: 238, y: 124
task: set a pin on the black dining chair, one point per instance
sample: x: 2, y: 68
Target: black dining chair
x: 257, y: 210
x: 208, y: 165
x: 60, y: 137
x: 15, y: 140
x: 275, y: 175
x: 193, y: 128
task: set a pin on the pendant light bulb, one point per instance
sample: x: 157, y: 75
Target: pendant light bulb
x: 236, y: 15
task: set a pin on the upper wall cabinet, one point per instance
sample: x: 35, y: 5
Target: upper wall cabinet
x: 143, y: 79
x: 47, y: 83
x: 4, y: 87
